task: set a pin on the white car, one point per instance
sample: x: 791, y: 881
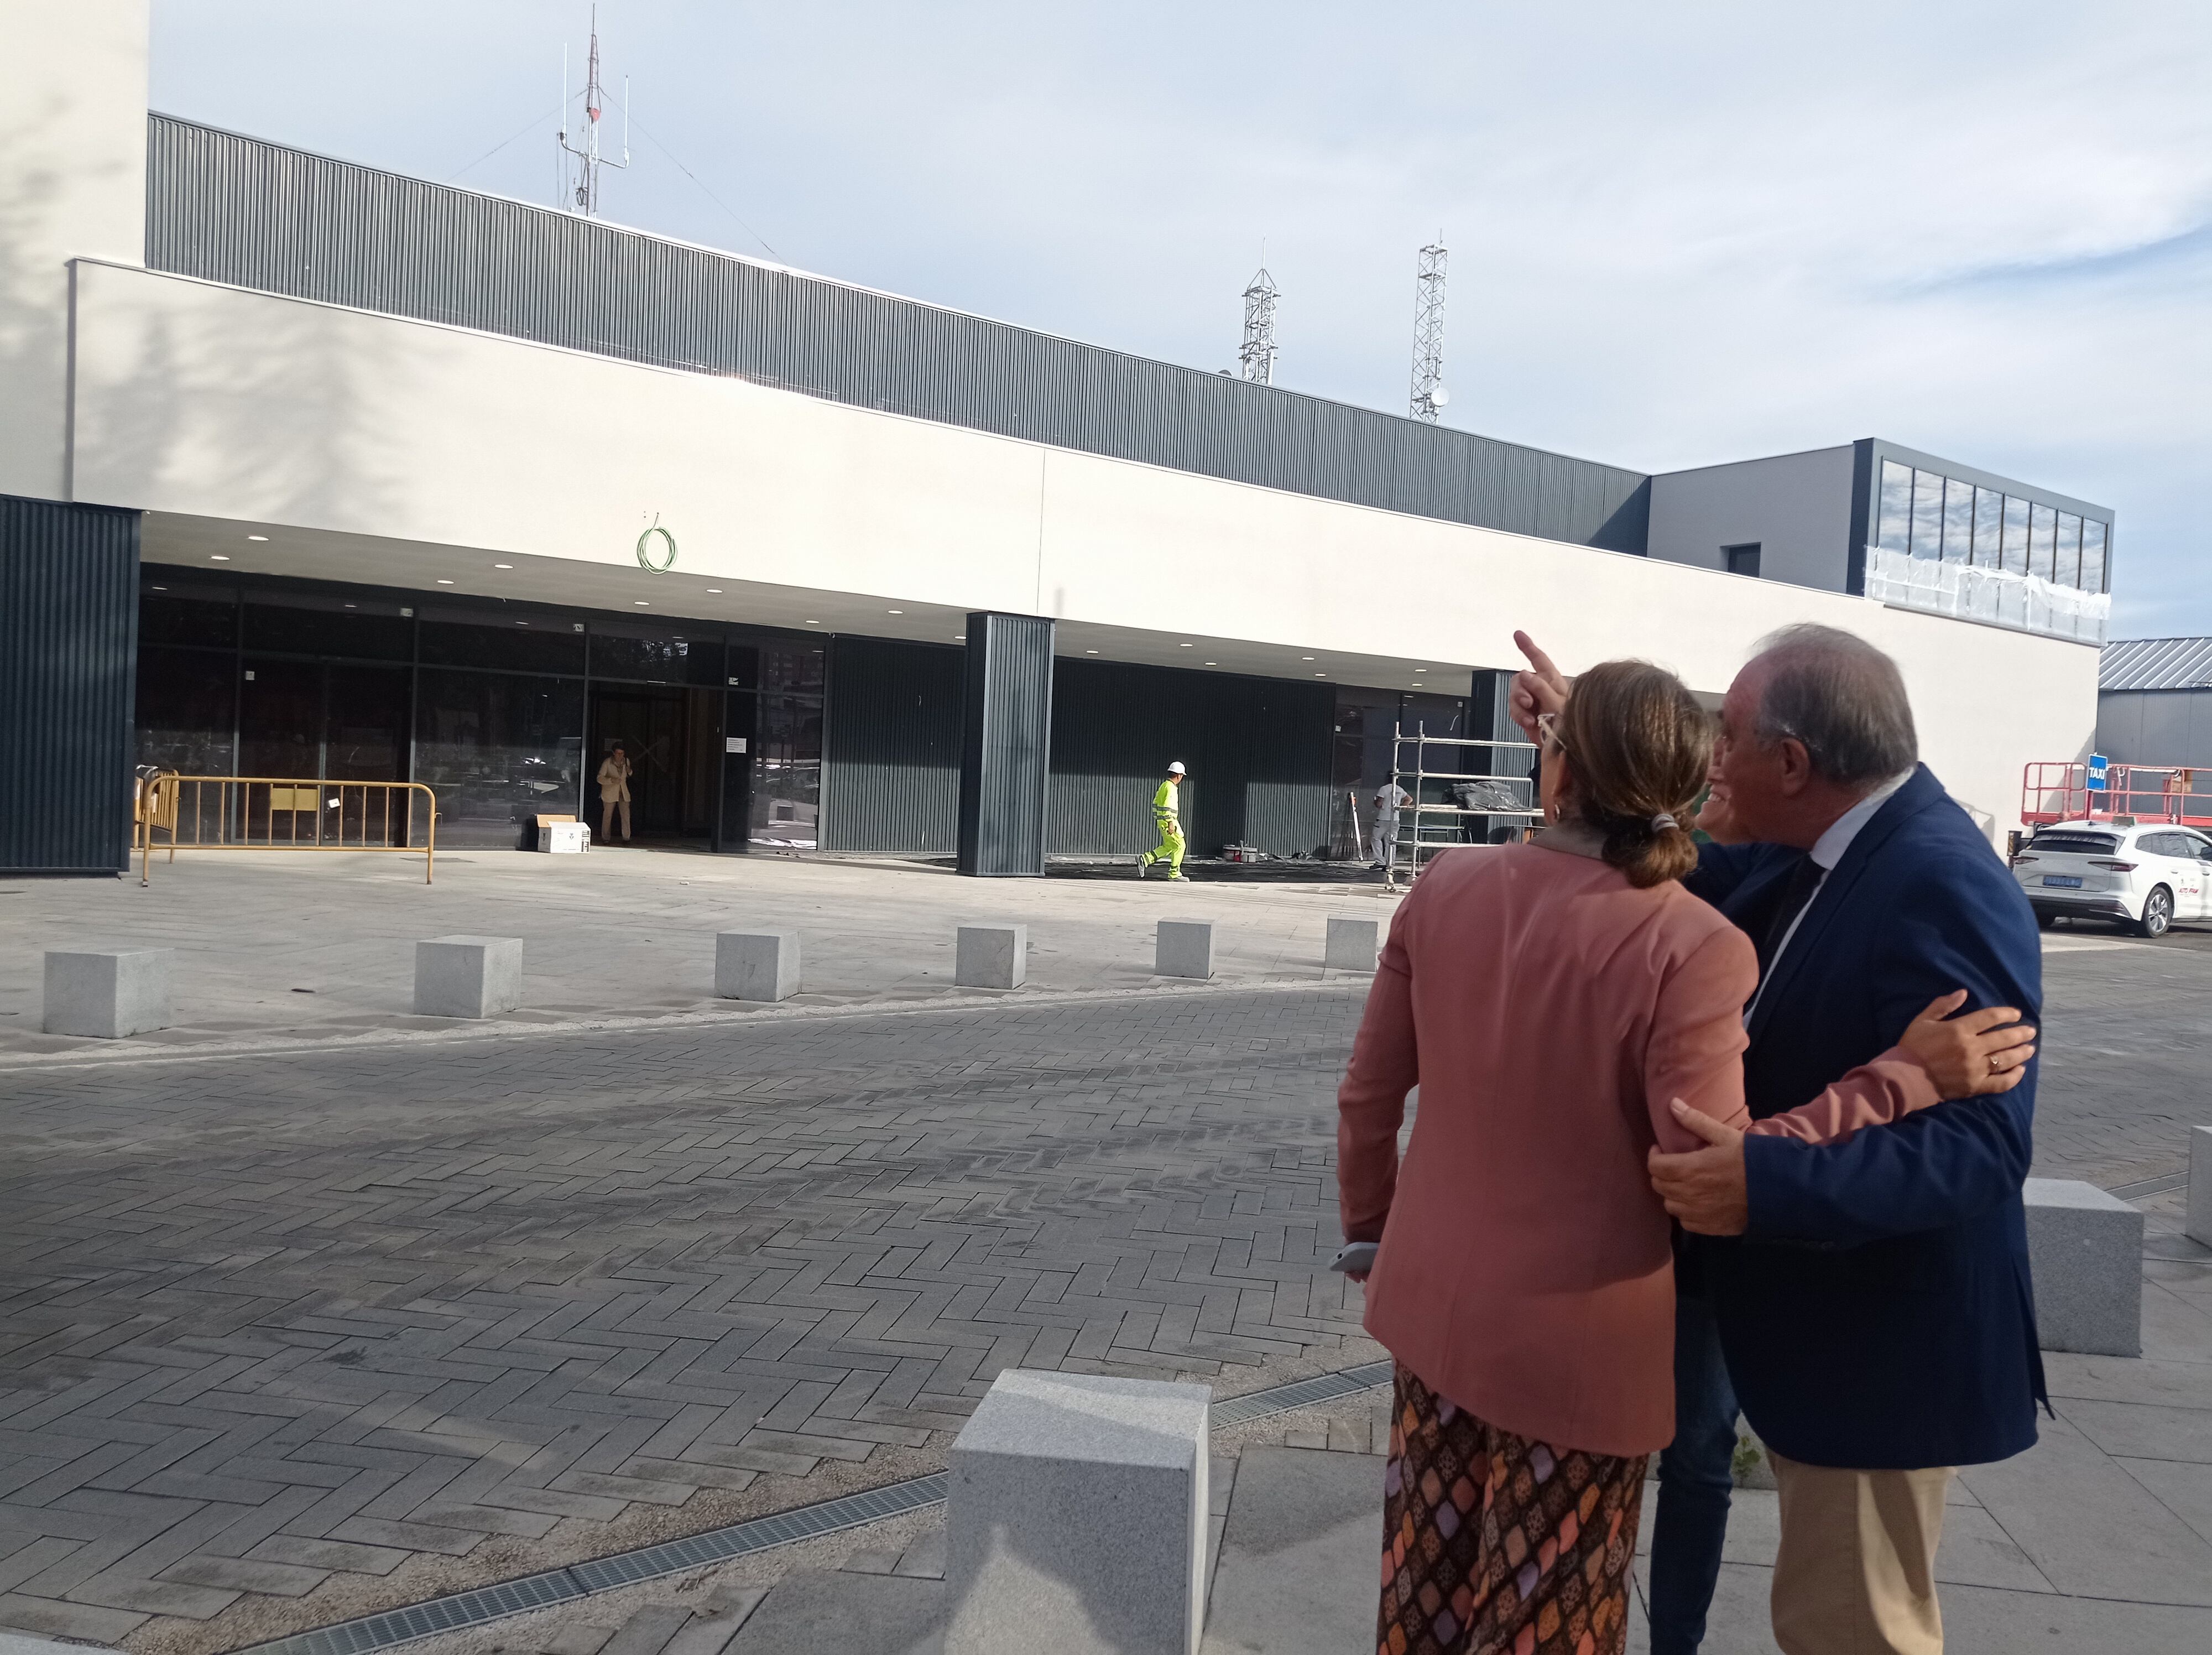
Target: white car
x: 2146, y: 877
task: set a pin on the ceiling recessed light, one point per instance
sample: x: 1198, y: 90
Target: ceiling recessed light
x: 1321, y: 675
x: 894, y: 611
x: 353, y: 605
x: 257, y: 537
x: 1090, y: 652
x: 814, y: 623
x: 502, y: 565
x: 1305, y: 657
x: 218, y: 557
x: 1213, y: 663
x: 1182, y: 646
x: 522, y: 623
x: 714, y: 592
x: 641, y: 602
x: 442, y: 580
x: 1420, y: 669
x: 160, y: 588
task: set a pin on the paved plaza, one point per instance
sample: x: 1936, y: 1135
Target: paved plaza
x: 311, y: 1312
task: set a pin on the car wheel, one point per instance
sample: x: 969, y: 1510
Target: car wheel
x: 2046, y: 919
x: 2157, y: 915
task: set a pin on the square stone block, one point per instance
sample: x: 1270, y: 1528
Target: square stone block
x: 1354, y: 945
x: 2085, y: 1255
x: 109, y: 995
x: 1076, y: 1517
x: 467, y: 976
x: 991, y: 956
x: 757, y: 965
x: 2199, y: 1223
x: 1183, y: 948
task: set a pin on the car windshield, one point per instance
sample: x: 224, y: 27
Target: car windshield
x: 2101, y: 844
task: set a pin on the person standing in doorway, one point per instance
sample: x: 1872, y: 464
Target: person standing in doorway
x: 614, y: 793
x: 1166, y: 816
x: 1389, y: 800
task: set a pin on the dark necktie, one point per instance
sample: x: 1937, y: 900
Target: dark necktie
x: 1797, y: 891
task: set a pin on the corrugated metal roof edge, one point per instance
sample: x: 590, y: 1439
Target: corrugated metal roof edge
x: 880, y: 293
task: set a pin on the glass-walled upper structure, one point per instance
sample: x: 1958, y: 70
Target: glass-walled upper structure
x: 1973, y: 547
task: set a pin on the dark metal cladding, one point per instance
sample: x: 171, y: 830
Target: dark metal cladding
x: 1006, y: 741
x: 258, y: 215
x: 69, y: 656
x: 891, y: 778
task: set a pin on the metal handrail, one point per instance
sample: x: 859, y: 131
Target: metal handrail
x: 2058, y: 790
x: 234, y: 823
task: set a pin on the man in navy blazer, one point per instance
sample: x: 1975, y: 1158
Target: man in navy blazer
x: 1872, y: 1297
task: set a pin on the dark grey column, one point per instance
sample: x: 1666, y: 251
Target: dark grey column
x: 69, y: 674
x: 1006, y: 742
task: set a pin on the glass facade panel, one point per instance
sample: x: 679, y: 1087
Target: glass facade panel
x: 1927, y: 514
x: 2093, y: 556
x: 1989, y: 527
x: 1958, y: 521
x: 2015, y: 534
x: 498, y: 748
x: 535, y: 643
x: 657, y: 655
x: 359, y: 630
x: 796, y: 668
x: 2042, y: 539
x: 786, y: 771
x: 2070, y: 550
x: 1895, y: 532
x: 188, y: 709
x: 174, y: 612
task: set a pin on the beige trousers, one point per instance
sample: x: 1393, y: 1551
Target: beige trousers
x: 1855, y: 1574
x: 607, y: 809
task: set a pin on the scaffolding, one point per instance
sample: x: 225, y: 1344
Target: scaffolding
x: 1441, y: 803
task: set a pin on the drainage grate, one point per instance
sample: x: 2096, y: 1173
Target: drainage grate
x: 482, y: 1603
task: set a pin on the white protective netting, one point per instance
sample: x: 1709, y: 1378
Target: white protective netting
x: 1998, y: 595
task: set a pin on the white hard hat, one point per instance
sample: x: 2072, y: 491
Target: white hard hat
x: 1175, y: 769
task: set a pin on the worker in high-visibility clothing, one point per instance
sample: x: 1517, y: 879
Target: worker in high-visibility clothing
x: 1167, y: 816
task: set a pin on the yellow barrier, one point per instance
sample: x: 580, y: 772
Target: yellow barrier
x: 261, y: 812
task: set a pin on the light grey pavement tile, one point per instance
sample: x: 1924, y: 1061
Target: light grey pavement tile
x: 2143, y: 1430
x: 2184, y: 1489
x: 2125, y: 1379
x: 2176, y: 1329
x: 240, y: 1574
x: 826, y: 1612
x: 2090, y: 1527
x: 648, y: 1631
x: 925, y: 1558
x: 1975, y: 1551
x: 1980, y: 1622
x: 348, y: 1555
x: 82, y: 1622
x: 1298, y: 1559
x: 573, y: 1637
x: 1736, y: 1624
x: 872, y: 1560
x: 710, y: 1633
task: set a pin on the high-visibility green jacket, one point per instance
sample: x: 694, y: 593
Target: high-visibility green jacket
x: 1165, y: 810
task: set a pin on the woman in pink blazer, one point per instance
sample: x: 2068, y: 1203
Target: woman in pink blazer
x: 1552, y: 999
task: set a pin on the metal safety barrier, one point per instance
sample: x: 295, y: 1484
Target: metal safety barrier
x: 280, y: 813
x: 2064, y: 790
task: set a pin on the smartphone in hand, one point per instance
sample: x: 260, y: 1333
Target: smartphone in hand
x: 1355, y: 1257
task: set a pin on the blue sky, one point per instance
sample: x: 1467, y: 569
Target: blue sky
x: 1680, y: 234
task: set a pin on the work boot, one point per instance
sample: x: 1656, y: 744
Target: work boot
x: 1172, y: 878
x: 1144, y: 861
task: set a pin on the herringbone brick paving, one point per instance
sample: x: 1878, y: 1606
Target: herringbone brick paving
x: 268, y: 1322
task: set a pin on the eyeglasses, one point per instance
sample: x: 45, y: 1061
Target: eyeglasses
x: 1548, y: 730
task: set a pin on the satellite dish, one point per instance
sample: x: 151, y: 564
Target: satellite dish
x: 1439, y: 396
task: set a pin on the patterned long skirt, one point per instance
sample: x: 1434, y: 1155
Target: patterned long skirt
x: 1492, y: 1544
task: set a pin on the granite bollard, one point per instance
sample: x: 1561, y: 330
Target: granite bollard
x: 2198, y: 1225
x: 757, y: 965
x: 1183, y: 948
x: 109, y: 995
x: 991, y: 956
x: 467, y: 976
x: 1076, y: 1519
x: 1354, y: 945
x: 2085, y: 1255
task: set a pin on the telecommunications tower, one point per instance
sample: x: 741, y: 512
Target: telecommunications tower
x: 1257, y: 356
x: 1429, y: 392
x: 582, y: 161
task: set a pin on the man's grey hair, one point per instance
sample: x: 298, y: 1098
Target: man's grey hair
x: 1843, y: 699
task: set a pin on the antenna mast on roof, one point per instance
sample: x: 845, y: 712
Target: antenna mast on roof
x: 1429, y: 393
x: 1257, y: 356
x: 580, y: 181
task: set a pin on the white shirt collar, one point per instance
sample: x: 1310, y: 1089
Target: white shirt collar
x: 1828, y: 849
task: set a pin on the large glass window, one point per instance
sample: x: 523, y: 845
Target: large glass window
x: 1958, y: 520
x: 786, y: 771
x: 1989, y: 527
x: 498, y: 748
x: 2042, y: 540
x: 362, y: 629
x: 2093, y: 555
x: 2070, y: 550
x: 188, y: 709
x: 1895, y: 533
x: 537, y: 643
x: 657, y: 654
x: 2015, y: 534
x: 179, y: 612
x: 1927, y: 514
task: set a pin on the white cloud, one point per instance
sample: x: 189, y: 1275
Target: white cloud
x: 1680, y: 234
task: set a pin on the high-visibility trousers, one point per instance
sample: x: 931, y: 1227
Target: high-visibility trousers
x: 1170, y: 847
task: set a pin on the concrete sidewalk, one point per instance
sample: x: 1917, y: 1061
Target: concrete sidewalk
x: 300, y: 946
